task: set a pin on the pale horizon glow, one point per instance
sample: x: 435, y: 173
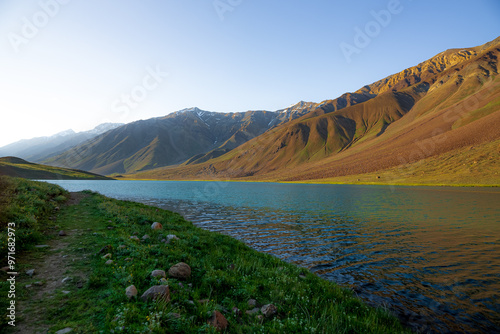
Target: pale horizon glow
x: 83, y: 63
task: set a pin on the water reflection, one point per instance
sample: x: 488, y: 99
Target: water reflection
x: 430, y: 254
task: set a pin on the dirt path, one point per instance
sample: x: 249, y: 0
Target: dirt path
x: 51, y: 266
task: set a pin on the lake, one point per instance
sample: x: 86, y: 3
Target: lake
x: 429, y: 254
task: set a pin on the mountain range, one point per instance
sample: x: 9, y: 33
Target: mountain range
x: 445, y: 110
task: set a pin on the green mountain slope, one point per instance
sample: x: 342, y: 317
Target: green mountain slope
x: 16, y: 167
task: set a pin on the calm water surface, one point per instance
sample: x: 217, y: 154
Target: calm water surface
x: 431, y: 255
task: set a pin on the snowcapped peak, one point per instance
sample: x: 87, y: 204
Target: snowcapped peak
x: 64, y: 133
x: 192, y: 109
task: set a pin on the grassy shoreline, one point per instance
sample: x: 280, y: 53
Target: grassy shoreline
x: 225, y: 275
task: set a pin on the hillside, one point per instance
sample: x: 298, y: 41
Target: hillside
x: 190, y: 134
x: 41, y: 148
x: 446, y: 104
x: 16, y: 167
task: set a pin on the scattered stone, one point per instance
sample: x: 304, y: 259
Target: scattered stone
x: 107, y: 256
x: 269, y: 310
x: 180, y: 271
x: 57, y: 208
x: 62, y: 233
x: 171, y: 237
x: 131, y: 291
x: 64, y: 331
x: 28, y: 286
x: 156, y: 292
x: 41, y: 246
x: 218, y: 321
x: 252, y: 302
x: 38, y: 283
x: 260, y: 317
x: 302, y: 276
x: 253, y: 311
x: 111, y: 228
x: 158, y: 273
x: 157, y: 226
x: 145, y: 237
x: 190, y: 302
x: 30, y: 272
x: 109, y: 262
x: 66, y: 292
x: 122, y: 247
x: 134, y: 237
x: 66, y: 279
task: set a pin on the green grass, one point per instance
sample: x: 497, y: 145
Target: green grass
x: 224, y: 271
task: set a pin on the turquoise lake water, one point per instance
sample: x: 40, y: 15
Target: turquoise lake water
x: 429, y: 254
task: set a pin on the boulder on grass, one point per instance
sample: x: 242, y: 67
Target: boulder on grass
x: 180, y: 271
x: 155, y: 292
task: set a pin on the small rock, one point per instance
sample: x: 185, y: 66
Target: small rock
x: 236, y: 311
x: 38, y: 283
x: 28, y: 286
x: 64, y: 331
x: 66, y: 292
x: 122, y: 247
x: 128, y: 259
x: 158, y: 273
x: 145, y: 237
x: 180, y: 271
x: 156, y: 292
x: 252, y: 302
x: 163, y: 240
x: 302, y: 276
x: 109, y: 262
x: 171, y: 237
x: 134, y: 237
x: 57, y: 208
x: 41, y: 246
x: 157, y: 226
x: 269, y: 310
x: 253, y: 311
x: 107, y: 256
x: 218, y: 321
x: 260, y: 318
x: 111, y: 228
x: 131, y: 291
x: 30, y: 272
x: 190, y: 302
x: 62, y: 233
x: 66, y: 279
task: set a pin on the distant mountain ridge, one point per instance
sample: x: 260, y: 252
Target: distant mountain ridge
x: 444, y: 104
x: 41, y: 148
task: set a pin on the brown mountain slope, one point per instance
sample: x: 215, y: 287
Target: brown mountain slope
x: 449, y: 102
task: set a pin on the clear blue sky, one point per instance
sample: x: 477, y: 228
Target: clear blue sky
x: 72, y: 63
